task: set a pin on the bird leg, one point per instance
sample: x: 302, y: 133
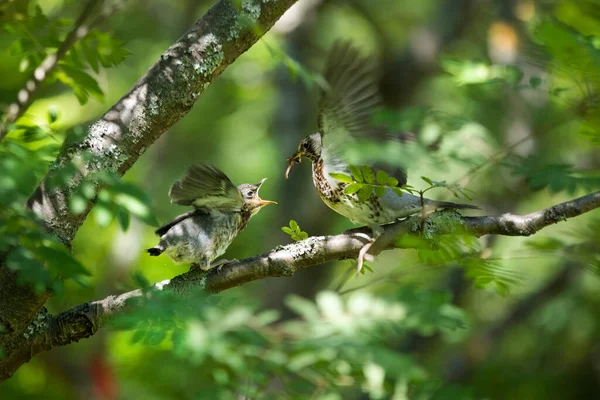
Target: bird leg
x: 219, y: 264
x: 362, y: 254
x: 200, y: 266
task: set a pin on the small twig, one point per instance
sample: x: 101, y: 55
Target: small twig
x: 347, y: 275
x: 423, y: 213
x: 391, y: 277
x: 495, y: 158
x: 79, y: 31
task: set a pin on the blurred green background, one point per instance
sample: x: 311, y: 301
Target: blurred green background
x: 501, y: 96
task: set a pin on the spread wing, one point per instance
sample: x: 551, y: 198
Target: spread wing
x: 346, y: 108
x: 206, y: 186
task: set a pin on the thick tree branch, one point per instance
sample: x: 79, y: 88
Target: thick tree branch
x: 84, y: 320
x: 80, y: 30
x: 163, y: 96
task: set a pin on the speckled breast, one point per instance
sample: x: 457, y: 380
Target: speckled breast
x: 368, y: 212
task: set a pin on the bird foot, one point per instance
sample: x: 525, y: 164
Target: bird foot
x: 199, y: 266
x: 362, y: 255
x: 219, y: 264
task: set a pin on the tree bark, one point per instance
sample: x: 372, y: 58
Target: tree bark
x: 163, y: 96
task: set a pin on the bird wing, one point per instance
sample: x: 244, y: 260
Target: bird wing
x: 346, y: 108
x: 205, y: 186
x: 165, y: 228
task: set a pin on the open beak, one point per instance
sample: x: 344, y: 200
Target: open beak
x: 259, y: 184
x: 263, y: 202
x: 296, y: 158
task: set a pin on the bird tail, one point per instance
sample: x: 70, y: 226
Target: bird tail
x: 449, y: 204
x: 154, y: 251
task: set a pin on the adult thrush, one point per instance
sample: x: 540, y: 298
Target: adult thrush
x: 345, y: 110
x: 221, y: 211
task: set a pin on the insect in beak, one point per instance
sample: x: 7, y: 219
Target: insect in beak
x: 296, y: 158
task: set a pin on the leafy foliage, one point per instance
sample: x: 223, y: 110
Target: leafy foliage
x: 36, y: 36
x: 40, y: 259
x: 556, y: 177
x: 334, y: 343
x: 365, y: 182
x: 294, y: 231
x: 523, y: 132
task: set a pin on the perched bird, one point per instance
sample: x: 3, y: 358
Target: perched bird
x: 345, y: 112
x: 221, y: 211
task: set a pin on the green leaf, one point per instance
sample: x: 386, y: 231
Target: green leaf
x: 302, y: 307
x: 365, y: 193
x: 135, y: 201
x: 294, y: 225
x: 382, y: 177
x: 398, y: 191
x: 52, y: 114
x: 302, y: 235
x: 81, y: 94
x: 103, y: 215
x: 123, y: 217
x: 356, y: 173
x: 379, y: 191
x: 140, y: 280
x: 78, y: 204
x: 426, y: 179
x: 368, y: 174
x: 341, y: 177
x: 353, y: 188
x: 82, y: 80
x: 294, y: 231
x: 393, y: 182
x: 63, y: 262
x: 91, y: 55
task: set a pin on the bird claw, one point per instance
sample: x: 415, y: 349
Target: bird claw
x: 221, y: 263
x: 362, y: 255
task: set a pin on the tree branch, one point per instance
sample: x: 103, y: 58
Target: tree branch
x: 86, y: 319
x: 505, y: 224
x: 163, y: 96
x: 80, y: 30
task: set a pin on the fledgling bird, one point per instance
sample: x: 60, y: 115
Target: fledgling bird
x: 345, y: 111
x: 221, y: 211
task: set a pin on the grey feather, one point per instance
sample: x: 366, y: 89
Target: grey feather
x: 408, y: 204
x: 165, y: 228
x: 200, y: 238
x: 205, y: 186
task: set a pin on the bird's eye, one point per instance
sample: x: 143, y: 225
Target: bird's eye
x: 305, y: 145
x: 249, y: 193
